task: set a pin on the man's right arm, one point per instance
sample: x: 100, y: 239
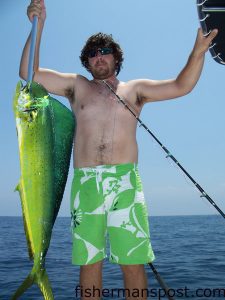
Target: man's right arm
x: 57, y: 83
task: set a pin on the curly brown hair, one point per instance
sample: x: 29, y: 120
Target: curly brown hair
x: 99, y: 40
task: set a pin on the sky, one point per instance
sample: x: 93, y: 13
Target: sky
x: 157, y: 37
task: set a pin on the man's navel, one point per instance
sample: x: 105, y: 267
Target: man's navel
x: 102, y: 147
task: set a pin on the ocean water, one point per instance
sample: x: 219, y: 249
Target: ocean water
x: 190, y: 257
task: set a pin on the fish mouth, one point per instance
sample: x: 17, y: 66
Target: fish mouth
x: 29, y: 109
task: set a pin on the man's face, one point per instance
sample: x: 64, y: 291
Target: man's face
x: 102, y: 66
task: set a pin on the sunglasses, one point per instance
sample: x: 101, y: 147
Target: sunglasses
x: 103, y: 51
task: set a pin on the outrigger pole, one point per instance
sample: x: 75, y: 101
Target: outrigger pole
x: 203, y: 193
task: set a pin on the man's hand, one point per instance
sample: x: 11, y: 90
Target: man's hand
x: 202, y: 42
x: 36, y: 8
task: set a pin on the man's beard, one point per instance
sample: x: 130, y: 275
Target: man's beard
x: 102, y: 72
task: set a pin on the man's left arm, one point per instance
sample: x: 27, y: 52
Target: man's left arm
x: 155, y: 90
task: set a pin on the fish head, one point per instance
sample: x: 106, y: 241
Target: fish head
x: 26, y: 104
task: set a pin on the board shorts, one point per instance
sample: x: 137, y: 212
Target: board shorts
x: 109, y: 199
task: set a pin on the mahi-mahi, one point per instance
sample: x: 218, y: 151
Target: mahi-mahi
x: 45, y: 129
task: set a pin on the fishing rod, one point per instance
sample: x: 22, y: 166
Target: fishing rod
x: 169, y: 155
x: 161, y: 282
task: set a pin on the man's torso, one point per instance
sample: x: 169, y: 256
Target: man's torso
x: 106, y: 130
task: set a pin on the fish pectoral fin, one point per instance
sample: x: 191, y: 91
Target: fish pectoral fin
x: 24, y: 286
x: 44, y: 285
x: 17, y: 188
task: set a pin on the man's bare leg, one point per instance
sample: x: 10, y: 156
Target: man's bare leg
x: 91, y: 278
x: 135, y: 279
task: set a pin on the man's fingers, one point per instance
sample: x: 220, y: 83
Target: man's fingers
x: 42, y: 3
x: 212, y: 35
x: 34, y: 9
x: 203, y: 42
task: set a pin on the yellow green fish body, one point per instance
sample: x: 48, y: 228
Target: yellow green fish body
x: 45, y: 131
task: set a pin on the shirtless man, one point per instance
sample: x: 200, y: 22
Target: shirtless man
x: 106, y: 189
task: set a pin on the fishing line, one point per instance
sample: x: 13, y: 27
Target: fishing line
x: 169, y: 155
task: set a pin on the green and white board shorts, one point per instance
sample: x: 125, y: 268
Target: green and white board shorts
x: 109, y: 199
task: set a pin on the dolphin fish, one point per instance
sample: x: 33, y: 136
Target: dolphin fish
x: 45, y: 130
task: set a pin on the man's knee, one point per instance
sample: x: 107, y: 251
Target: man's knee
x: 132, y: 270
x: 96, y: 267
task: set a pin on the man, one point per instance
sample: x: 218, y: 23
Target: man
x: 106, y: 193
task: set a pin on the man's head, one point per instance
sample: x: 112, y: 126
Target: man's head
x: 101, y: 55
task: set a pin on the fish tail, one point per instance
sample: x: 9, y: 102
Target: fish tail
x: 39, y: 277
x: 44, y: 285
x: 24, y: 286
